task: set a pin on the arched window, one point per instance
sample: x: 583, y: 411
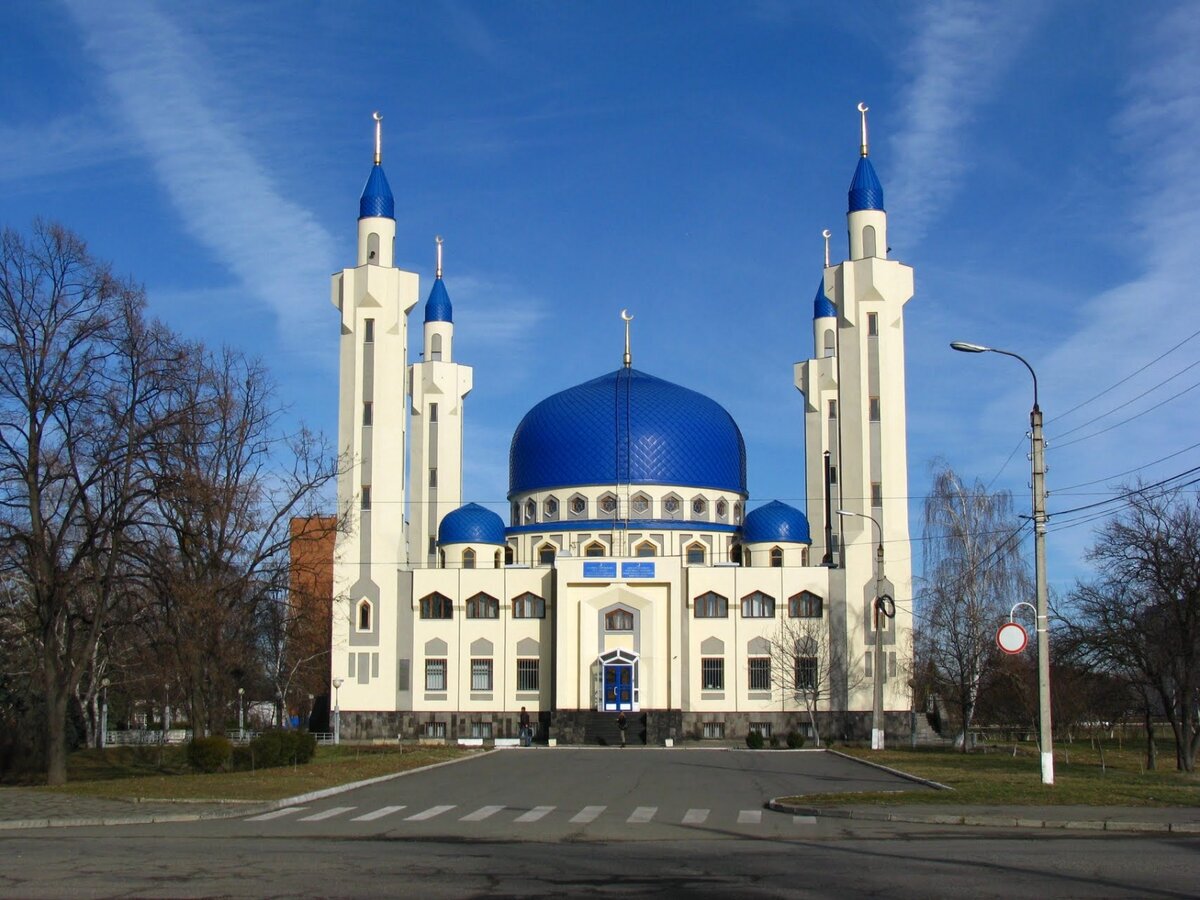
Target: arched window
x: 869, y: 241
x: 435, y: 346
x: 546, y: 554
x: 776, y: 558
x: 530, y: 511
x: 618, y: 620
x: 805, y: 605
x: 364, y: 615
x: 468, y: 559
x: 711, y: 605
x: 757, y: 605
x: 528, y: 606
x: 373, y: 248
x: 735, y: 554
x: 483, y: 606
x: 437, y: 606
x: 509, y: 555
x: 830, y: 347
x: 645, y: 548
x: 595, y: 548
x: 500, y: 559
x: 695, y: 554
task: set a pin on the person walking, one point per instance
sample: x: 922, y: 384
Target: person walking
x: 621, y: 723
x: 526, y: 728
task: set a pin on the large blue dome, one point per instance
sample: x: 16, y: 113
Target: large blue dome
x: 776, y: 523
x: 627, y: 427
x: 471, y: 524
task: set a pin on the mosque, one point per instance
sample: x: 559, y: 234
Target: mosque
x: 634, y: 574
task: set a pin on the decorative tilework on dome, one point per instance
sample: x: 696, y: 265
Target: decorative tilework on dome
x: 471, y: 524
x: 865, y: 190
x: 376, y: 197
x: 823, y: 307
x: 437, y: 307
x: 627, y: 427
x: 776, y: 523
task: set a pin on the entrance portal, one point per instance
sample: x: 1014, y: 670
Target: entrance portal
x: 618, y: 684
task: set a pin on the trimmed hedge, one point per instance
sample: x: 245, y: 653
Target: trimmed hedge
x: 209, y: 754
x: 795, y: 740
x: 279, y: 747
x: 754, y: 740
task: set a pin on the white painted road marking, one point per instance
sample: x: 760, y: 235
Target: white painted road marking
x: 277, y: 814
x: 804, y: 820
x: 642, y: 815
x: 429, y: 813
x: 480, y: 814
x: 750, y: 817
x: 377, y: 814
x: 695, y: 817
x: 327, y: 814
x: 587, y: 814
x: 534, y: 814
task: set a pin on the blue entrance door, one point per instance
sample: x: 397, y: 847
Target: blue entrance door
x: 618, y: 686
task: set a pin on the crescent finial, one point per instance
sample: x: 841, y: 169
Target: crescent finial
x: 378, y: 117
x: 827, y: 234
x: 438, y: 240
x: 627, y: 318
x: 862, y: 111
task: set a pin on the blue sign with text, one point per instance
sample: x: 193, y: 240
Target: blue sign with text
x: 599, y: 570
x: 637, y: 570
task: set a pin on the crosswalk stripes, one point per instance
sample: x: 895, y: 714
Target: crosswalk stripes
x: 641, y: 815
x: 277, y: 814
x: 327, y: 814
x: 480, y: 814
x: 534, y: 814
x: 587, y: 814
x: 378, y: 813
x: 429, y: 813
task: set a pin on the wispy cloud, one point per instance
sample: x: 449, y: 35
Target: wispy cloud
x: 958, y: 54
x: 68, y: 143
x: 222, y: 190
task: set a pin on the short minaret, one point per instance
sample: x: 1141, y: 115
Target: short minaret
x: 855, y: 411
x: 373, y: 300
x: 437, y: 387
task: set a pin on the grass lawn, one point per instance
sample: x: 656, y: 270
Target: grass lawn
x: 136, y: 773
x: 994, y: 776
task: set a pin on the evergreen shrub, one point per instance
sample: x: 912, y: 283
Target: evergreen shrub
x: 754, y: 740
x: 209, y: 754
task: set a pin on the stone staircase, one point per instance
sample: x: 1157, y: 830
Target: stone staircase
x: 600, y: 728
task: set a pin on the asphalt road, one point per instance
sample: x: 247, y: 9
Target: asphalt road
x: 591, y: 823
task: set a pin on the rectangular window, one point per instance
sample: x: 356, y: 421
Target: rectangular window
x: 713, y: 731
x: 481, y: 730
x: 872, y: 324
x: 873, y: 409
x: 833, y: 409
x: 833, y: 474
x: 433, y: 478
x: 712, y: 673
x: 806, y: 673
x: 435, y: 675
x: 762, y: 728
x: 528, y: 675
x: 432, y: 545
x: 368, y: 331
x: 368, y: 413
x: 432, y: 413
x: 481, y: 674
x: 876, y: 493
x: 365, y: 500
x: 433, y: 730
x: 869, y: 664
x: 760, y: 673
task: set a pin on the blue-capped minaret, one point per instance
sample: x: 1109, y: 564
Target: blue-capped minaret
x: 437, y: 387
x: 373, y: 300
x: 855, y: 429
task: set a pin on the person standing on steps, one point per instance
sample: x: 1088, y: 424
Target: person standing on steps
x: 621, y: 723
x: 526, y: 729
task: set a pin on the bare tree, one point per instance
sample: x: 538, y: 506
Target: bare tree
x: 81, y: 396
x: 973, y: 576
x: 229, y: 481
x: 1140, y: 620
x: 805, y: 665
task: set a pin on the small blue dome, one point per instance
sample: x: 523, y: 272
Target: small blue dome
x: 823, y: 307
x: 437, y: 307
x: 865, y: 190
x: 776, y: 523
x: 471, y: 524
x: 376, y: 197
x: 627, y: 427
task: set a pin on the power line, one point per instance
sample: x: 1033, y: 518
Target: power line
x: 1130, y: 419
x: 1128, y: 471
x: 1129, y: 401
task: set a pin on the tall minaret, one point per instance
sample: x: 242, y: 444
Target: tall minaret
x: 437, y: 385
x: 855, y: 411
x: 374, y: 299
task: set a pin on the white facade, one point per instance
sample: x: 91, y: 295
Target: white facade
x: 632, y: 574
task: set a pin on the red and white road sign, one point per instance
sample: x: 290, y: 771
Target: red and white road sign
x: 1011, y: 638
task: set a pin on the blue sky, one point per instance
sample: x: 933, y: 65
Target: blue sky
x: 678, y: 159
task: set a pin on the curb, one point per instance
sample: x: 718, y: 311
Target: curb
x: 242, y: 808
x: 988, y: 821
x: 937, y: 786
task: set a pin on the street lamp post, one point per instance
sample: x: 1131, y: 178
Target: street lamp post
x: 337, y: 712
x: 877, y: 730
x: 241, y: 715
x: 104, y: 713
x: 1038, y: 459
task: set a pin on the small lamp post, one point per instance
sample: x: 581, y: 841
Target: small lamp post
x: 877, y: 729
x: 103, y: 739
x: 1038, y: 459
x: 337, y: 712
x: 241, y: 715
